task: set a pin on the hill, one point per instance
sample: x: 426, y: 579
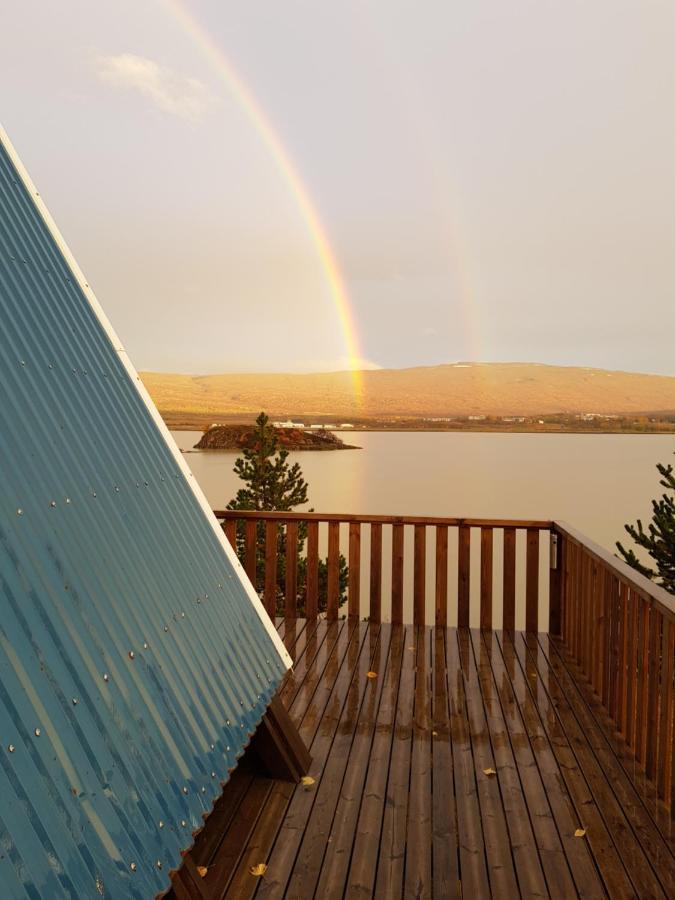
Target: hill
x: 462, y: 389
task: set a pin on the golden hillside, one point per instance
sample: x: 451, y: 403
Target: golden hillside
x: 448, y: 390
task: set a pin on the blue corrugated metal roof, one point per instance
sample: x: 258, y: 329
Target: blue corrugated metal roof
x: 134, y: 663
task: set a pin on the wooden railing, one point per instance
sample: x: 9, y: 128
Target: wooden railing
x: 488, y: 573
x: 420, y: 569
x: 620, y: 629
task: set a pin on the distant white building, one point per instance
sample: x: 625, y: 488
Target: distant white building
x: 288, y: 424
x: 346, y: 425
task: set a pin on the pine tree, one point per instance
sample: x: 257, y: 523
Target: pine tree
x: 659, y: 539
x: 272, y: 483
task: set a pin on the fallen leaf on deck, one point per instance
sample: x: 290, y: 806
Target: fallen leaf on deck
x: 489, y: 772
x: 372, y: 674
x: 203, y: 871
x: 307, y: 779
x: 258, y: 870
x: 580, y: 832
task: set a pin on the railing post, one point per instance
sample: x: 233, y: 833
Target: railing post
x: 291, y: 585
x: 556, y: 584
x: 354, y: 587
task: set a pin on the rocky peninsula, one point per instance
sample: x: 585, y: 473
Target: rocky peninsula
x: 238, y: 437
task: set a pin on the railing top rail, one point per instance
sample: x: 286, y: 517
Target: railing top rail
x: 364, y: 519
x: 635, y: 581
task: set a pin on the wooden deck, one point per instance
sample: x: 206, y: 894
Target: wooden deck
x: 446, y: 763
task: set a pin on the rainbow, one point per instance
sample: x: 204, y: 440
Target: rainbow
x: 268, y: 134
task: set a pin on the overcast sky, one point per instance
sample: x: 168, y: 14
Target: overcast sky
x: 496, y: 177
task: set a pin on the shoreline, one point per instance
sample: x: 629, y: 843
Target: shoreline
x: 470, y: 429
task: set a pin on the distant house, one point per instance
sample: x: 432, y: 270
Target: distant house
x: 346, y: 425
x: 288, y: 424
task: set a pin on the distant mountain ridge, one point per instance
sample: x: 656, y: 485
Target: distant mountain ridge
x: 456, y: 389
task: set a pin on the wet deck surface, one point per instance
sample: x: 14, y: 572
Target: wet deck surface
x: 445, y: 763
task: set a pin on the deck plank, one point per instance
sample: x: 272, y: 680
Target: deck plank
x: 549, y: 844
x: 646, y: 788
x: 602, y: 782
x: 652, y: 847
x: 501, y: 869
x: 391, y: 860
x: 363, y: 864
x: 401, y: 805
x: 318, y: 824
x: 524, y: 848
x: 444, y: 851
x: 418, y: 846
x: 589, y: 804
x: 548, y: 754
x: 340, y: 843
x: 317, y: 730
x: 306, y: 710
x: 474, y: 880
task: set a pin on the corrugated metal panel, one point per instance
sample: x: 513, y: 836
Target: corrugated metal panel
x: 134, y: 663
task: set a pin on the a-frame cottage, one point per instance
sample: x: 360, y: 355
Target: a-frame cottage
x: 136, y: 660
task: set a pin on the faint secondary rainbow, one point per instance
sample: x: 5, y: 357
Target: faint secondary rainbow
x: 257, y: 117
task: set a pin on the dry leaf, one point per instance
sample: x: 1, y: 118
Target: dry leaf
x: 580, y: 832
x: 203, y: 871
x: 258, y: 870
x: 307, y: 779
x: 489, y: 772
x: 372, y: 675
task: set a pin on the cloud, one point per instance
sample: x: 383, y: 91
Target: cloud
x: 177, y: 95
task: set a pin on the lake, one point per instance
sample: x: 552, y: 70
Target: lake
x: 594, y: 482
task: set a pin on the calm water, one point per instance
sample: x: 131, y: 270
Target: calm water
x: 595, y: 482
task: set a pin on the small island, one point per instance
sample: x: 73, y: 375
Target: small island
x: 237, y: 437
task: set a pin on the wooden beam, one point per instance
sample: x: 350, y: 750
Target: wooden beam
x: 278, y: 745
